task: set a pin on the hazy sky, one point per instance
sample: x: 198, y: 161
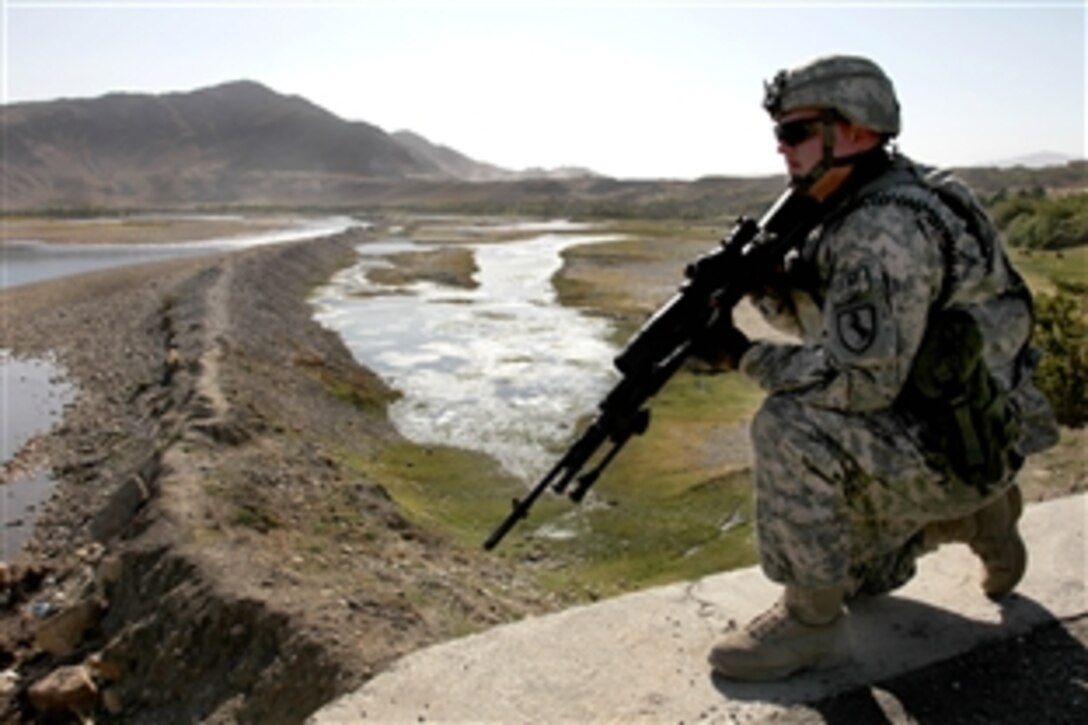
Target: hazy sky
x: 630, y: 89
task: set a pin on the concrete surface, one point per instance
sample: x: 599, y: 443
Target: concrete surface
x: 642, y: 657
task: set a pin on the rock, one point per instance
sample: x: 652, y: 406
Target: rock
x: 111, y: 700
x: 109, y: 571
x: 91, y: 553
x: 60, y: 634
x: 104, y: 669
x: 9, y: 682
x: 65, y: 688
x: 121, y: 508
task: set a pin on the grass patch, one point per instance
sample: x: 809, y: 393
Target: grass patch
x: 666, y: 229
x: 451, y: 266
x: 632, y: 536
x: 460, y: 493
x: 670, y: 507
x: 255, y: 517
x: 356, y: 386
x: 628, y: 279
x: 1047, y: 271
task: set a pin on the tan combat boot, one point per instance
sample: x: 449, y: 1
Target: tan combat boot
x: 997, y: 542
x: 796, y: 633
x: 992, y: 534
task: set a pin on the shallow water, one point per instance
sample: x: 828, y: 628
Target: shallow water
x: 24, y: 262
x: 33, y: 395
x: 502, y: 368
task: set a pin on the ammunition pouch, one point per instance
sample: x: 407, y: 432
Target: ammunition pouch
x: 968, y: 424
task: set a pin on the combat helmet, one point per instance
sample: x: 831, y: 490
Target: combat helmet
x: 853, y: 86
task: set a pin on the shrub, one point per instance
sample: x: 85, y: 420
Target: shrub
x: 1061, y: 332
x: 1055, y: 222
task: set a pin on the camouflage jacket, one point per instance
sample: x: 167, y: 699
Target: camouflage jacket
x: 859, y: 294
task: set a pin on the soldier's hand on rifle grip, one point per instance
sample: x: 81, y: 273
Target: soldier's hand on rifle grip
x: 721, y: 346
x: 777, y: 281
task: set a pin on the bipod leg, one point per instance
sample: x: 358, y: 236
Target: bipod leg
x: 637, y: 427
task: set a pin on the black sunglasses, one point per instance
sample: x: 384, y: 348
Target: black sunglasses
x: 791, y: 133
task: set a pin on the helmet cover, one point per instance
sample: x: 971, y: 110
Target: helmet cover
x: 853, y: 86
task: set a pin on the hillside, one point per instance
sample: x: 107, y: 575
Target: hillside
x: 459, y: 166
x: 239, y: 142
x: 451, y: 162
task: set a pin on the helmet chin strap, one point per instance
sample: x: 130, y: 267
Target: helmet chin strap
x: 828, y: 160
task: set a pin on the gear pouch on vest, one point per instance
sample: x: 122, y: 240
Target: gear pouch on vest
x: 968, y: 423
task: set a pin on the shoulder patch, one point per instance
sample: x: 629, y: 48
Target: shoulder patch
x: 856, y: 326
x: 857, y: 314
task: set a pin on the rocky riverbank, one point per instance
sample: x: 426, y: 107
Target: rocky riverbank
x: 211, y: 555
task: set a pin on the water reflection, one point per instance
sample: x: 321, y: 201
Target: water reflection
x: 33, y: 394
x: 501, y: 368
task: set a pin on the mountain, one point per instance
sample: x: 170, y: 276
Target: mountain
x: 1036, y: 160
x: 460, y: 166
x: 238, y: 142
x: 451, y: 162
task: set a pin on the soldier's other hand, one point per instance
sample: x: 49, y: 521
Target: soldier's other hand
x: 721, y: 349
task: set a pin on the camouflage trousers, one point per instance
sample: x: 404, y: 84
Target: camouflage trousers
x: 845, y: 497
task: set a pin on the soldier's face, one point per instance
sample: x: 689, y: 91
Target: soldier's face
x: 800, y: 141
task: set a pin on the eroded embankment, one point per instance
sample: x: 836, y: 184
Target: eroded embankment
x: 212, y: 553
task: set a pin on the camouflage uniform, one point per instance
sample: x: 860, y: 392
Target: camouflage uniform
x: 898, y: 421
x: 844, y: 484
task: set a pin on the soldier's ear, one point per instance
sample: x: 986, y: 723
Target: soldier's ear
x: 859, y: 137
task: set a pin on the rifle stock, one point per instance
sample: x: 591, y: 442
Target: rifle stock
x: 715, y: 283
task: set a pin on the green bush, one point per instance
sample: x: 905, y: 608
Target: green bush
x: 1049, y: 222
x: 1061, y: 332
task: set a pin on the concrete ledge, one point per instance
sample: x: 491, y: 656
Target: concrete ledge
x: 642, y: 657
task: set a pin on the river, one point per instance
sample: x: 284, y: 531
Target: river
x: 501, y: 368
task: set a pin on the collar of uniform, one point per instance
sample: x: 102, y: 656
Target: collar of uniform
x: 871, y: 169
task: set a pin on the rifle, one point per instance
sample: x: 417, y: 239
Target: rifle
x: 715, y: 283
